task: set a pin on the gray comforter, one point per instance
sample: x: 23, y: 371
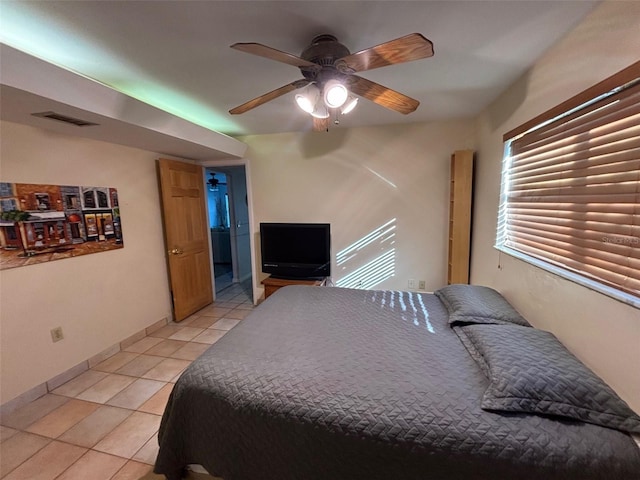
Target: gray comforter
x: 337, y: 384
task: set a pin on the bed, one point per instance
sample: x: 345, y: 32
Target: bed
x: 331, y: 383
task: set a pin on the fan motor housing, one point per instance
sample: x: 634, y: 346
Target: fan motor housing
x: 324, y: 51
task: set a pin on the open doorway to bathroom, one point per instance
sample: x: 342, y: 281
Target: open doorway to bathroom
x: 229, y: 224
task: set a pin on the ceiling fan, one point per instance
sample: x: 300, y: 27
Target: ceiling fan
x: 213, y: 182
x: 329, y: 79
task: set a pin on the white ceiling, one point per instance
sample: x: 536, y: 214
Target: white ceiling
x: 175, y: 55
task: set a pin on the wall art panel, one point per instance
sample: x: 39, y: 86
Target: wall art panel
x: 41, y: 223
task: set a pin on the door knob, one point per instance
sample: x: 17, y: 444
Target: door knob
x: 175, y: 251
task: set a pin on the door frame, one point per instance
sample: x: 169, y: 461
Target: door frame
x: 257, y: 292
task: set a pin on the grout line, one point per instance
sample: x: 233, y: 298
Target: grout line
x: 82, y: 368
x: 42, y: 389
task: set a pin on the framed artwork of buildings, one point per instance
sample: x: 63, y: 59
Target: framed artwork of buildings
x: 41, y: 223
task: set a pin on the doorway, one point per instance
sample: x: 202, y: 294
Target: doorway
x: 229, y: 226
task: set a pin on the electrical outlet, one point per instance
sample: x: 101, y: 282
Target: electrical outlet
x: 413, y: 284
x: 422, y: 284
x: 56, y: 334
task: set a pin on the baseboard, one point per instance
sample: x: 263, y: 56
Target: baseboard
x: 53, y: 383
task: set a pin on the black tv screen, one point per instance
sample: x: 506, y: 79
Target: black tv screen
x: 296, y: 250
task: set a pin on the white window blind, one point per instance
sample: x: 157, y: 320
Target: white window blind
x: 571, y: 186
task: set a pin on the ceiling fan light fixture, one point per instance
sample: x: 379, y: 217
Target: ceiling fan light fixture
x: 320, y: 111
x: 335, y: 94
x: 304, y: 103
x: 349, y: 105
x: 308, y: 98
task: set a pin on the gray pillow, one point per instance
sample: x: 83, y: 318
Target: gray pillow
x: 476, y: 304
x: 531, y: 371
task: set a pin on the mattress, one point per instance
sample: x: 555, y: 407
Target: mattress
x: 331, y: 383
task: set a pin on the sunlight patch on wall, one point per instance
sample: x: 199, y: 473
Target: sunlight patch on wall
x: 381, y: 177
x: 372, y: 273
x: 354, y: 264
x: 384, y: 233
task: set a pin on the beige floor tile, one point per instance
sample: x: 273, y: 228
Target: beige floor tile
x: 227, y: 294
x: 19, y: 448
x: 106, y: 388
x: 215, y: 311
x: 143, y: 345
x: 158, y: 402
x: 165, y: 332
x: 95, y: 466
x: 62, y: 418
x: 132, y: 471
x: 189, y: 320
x: 136, y: 394
x: 167, y: 369
x: 166, y: 348
x: 48, y: 463
x: 203, y: 322
x: 237, y: 314
x: 237, y: 300
x: 185, y: 334
x: 140, y: 365
x: 190, y: 351
x: 6, y: 433
x: 112, y: 364
x: 156, y: 326
x: 79, y: 384
x: 130, y: 435
x: 136, y: 337
x: 245, y: 306
x: 96, y: 426
x: 223, y: 307
x: 148, y: 452
x: 104, y: 355
x: 67, y: 375
x: 210, y: 336
x: 224, y: 304
x: 225, y: 324
x: 22, y: 417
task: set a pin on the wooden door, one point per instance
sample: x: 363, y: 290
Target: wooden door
x: 187, y: 236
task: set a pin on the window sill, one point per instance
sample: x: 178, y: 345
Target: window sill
x: 573, y: 277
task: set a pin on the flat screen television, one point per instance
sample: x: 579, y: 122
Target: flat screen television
x: 296, y: 250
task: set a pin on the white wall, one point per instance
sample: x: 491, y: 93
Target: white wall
x: 98, y: 299
x: 358, y: 180
x: 601, y: 331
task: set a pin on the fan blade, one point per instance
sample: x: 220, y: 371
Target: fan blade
x: 404, y: 49
x: 382, y: 95
x: 320, y: 124
x: 267, y: 97
x: 273, y: 54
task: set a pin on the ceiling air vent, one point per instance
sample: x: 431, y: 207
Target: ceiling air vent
x: 64, y: 118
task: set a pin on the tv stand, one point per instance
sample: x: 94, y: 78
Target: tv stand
x: 272, y: 284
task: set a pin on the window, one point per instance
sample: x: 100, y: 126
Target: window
x: 8, y: 204
x: 570, y: 198
x: 5, y: 189
x: 89, y: 199
x: 102, y: 199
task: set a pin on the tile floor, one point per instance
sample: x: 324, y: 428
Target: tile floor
x: 102, y: 425
x: 224, y: 275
